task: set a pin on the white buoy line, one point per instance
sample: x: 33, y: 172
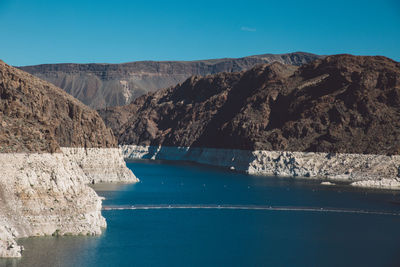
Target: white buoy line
x: 249, y: 207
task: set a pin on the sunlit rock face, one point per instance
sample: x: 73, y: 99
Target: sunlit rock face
x: 51, y: 147
x: 100, y: 164
x: 361, y: 170
x: 45, y: 194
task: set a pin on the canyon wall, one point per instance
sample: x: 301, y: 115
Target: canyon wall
x: 106, y: 85
x: 362, y: 170
x: 51, y: 147
x: 100, y: 164
x: 338, y: 104
x: 334, y: 118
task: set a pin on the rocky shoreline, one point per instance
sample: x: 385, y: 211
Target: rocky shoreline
x: 360, y: 170
x: 47, y: 193
x: 101, y: 164
x: 51, y: 147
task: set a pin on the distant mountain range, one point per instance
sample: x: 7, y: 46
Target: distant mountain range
x: 105, y: 85
x: 341, y: 103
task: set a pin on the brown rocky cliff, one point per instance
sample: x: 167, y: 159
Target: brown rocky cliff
x: 342, y: 103
x: 37, y: 116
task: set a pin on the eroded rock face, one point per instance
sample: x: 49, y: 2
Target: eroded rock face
x: 51, y: 146
x: 100, y: 164
x: 47, y: 193
x: 44, y: 194
x: 342, y: 104
x: 105, y: 85
x: 362, y: 170
x: 36, y: 116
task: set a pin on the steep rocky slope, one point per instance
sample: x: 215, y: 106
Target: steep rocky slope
x: 37, y: 116
x: 51, y: 146
x: 104, y: 85
x: 336, y: 118
x: 342, y: 103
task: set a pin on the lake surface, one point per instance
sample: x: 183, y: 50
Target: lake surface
x: 229, y: 237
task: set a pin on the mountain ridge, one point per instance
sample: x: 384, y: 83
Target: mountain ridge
x: 171, y: 61
x: 100, y: 85
x: 36, y: 116
x: 341, y: 103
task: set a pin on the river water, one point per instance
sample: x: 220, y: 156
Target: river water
x: 183, y: 214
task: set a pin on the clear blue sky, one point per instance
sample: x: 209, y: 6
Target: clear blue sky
x: 55, y: 31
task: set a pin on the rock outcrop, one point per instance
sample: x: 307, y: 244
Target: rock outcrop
x: 105, y: 85
x: 340, y: 105
x: 361, y: 170
x: 51, y: 146
x: 100, y: 164
x: 36, y: 116
x: 44, y: 194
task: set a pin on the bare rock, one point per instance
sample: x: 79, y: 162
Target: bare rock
x: 339, y: 104
x: 105, y: 85
x: 36, y: 116
x: 51, y: 146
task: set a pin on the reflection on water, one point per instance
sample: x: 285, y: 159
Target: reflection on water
x: 109, y: 186
x: 55, y: 251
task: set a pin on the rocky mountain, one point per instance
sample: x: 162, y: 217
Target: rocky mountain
x: 341, y: 103
x: 104, y: 85
x: 62, y: 145
x: 37, y: 116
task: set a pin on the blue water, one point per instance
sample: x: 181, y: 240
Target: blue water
x: 216, y: 237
